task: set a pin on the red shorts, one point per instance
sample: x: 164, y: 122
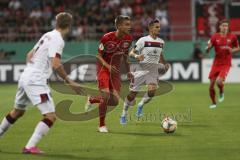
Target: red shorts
x: 105, y: 80
x: 219, y: 71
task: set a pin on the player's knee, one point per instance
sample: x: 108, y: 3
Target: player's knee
x: 151, y: 93
x: 16, y: 113
x: 51, y: 117
x: 105, y: 96
x: 131, y: 96
x: 211, y: 88
x: 219, y: 81
x: 113, y: 101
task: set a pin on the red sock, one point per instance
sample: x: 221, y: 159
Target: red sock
x: 102, y: 113
x: 95, y: 99
x: 220, y: 86
x: 212, y: 95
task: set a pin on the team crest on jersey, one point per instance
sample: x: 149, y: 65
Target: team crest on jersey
x: 228, y: 41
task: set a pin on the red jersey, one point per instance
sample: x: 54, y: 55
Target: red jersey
x: 113, y: 49
x: 222, y: 55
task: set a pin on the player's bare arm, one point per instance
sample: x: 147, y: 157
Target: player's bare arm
x: 208, y: 48
x: 127, y: 65
x: 134, y: 53
x: 163, y: 61
x: 29, y: 55
x: 235, y: 50
x: 105, y: 64
x: 57, y: 66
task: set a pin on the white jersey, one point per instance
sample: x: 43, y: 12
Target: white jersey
x: 150, y: 48
x: 39, y: 69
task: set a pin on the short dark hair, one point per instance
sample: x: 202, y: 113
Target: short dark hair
x: 153, y: 22
x: 223, y: 21
x: 63, y: 20
x: 119, y: 19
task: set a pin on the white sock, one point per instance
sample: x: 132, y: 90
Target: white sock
x: 126, y: 105
x: 4, y: 126
x: 144, y: 100
x: 125, y: 109
x: 40, y: 130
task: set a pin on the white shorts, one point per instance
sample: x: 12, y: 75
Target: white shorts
x: 36, y: 94
x: 141, y: 80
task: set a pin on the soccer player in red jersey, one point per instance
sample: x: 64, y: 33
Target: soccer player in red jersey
x: 112, y: 51
x: 224, y: 43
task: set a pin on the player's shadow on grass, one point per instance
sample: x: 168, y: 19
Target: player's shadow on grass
x: 158, y: 134
x: 50, y: 156
x: 70, y: 157
x: 195, y: 125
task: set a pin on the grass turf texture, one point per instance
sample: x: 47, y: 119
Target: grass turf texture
x: 208, y: 134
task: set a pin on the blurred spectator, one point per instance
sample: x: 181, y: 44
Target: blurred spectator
x: 197, y: 52
x: 36, y: 13
x: 25, y: 20
x: 14, y: 4
x: 126, y: 9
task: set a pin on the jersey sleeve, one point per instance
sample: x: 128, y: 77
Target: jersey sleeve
x: 56, y: 48
x: 235, y: 41
x: 139, y: 45
x: 102, y: 44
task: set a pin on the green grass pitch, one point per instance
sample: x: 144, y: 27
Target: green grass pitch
x: 202, y: 133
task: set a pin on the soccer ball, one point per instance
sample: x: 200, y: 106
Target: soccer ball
x: 169, y: 125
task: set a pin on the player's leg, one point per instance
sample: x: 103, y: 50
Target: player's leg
x: 213, y: 76
x: 220, y: 82
x: 10, y: 119
x: 40, y: 97
x: 115, y: 87
x: 21, y: 101
x: 92, y: 100
x: 129, y: 101
x: 146, y: 98
x: 212, y: 93
x: 103, y: 110
x: 47, y: 109
x: 103, y: 82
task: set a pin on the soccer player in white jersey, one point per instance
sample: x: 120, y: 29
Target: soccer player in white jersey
x: 32, y: 85
x: 148, y: 51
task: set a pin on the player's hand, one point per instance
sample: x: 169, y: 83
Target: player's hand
x: 76, y: 87
x: 229, y: 49
x: 113, y: 69
x: 207, y: 49
x: 130, y: 76
x: 139, y: 57
x: 167, y: 66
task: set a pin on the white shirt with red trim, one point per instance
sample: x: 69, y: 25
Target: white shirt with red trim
x: 150, y: 48
x: 50, y: 45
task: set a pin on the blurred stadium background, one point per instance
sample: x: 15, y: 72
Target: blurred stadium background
x: 182, y: 25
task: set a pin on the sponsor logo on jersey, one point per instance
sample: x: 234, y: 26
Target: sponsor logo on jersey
x: 101, y: 47
x: 153, y: 44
